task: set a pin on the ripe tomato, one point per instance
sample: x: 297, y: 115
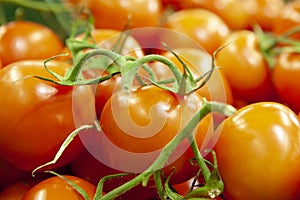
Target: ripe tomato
x: 264, y: 12
x: 204, y: 26
x: 38, y: 115
x: 285, y: 76
x: 115, y: 14
x: 143, y: 117
x: 107, y: 39
x: 217, y: 87
x: 9, y: 174
x: 245, y: 67
x: 258, y: 153
x: 57, y: 188
x: 289, y: 18
x: 231, y: 11
x: 22, y: 40
x: 17, y: 190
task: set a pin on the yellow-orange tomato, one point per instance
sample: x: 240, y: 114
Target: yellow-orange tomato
x: 258, y: 153
x: 285, y: 77
x: 231, y: 11
x: 289, y: 18
x: 204, y: 26
x: 264, y: 12
x: 245, y: 67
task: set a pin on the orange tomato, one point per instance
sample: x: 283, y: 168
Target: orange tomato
x: 204, y: 26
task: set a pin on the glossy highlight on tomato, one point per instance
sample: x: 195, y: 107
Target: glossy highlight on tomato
x: 204, y: 26
x: 56, y: 188
x: 148, y: 118
x: 285, y: 77
x: 245, y: 67
x: 23, y: 40
x: 38, y: 115
x: 258, y: 153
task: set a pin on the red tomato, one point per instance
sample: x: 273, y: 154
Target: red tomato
x: 255, y: 147
x: 245, y: 67
x: 285, y: 77
x: 205, y: 27
x: 115, y: 14
x: 9, y: 174
x: 16, y: 191
x: 22, y: 40
x: 38, y: 115
x: 57, y: 188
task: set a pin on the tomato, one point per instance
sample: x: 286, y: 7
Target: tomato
x: 138, y: 121
x: 204, y: 26
x: 258, y: 153
x: 22, y: 40
x: 285, y: 76
x: 17, y: 190
x: 217, y: 87
x: 147, y: 118
x: 107, y: 39
x: 91, y: 169
x: 289, y: 18
x: 115, y: 14
x: 38, y: 115
x: 10, y: 174
x: 264, y: 12
x: 245, y: 67
x: 233, y: 12
x: 58, y: 188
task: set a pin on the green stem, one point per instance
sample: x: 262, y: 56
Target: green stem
x: 75, y: 71
x: 162, y: 59
x: 171, y: 146
x: 201, y: 162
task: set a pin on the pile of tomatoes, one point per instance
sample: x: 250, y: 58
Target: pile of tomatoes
x: 236, y: 91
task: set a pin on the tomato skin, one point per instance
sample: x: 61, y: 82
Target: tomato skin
x: 289, y: 18
x: 23, y: 40
x: 204, y: 26
x: 245, y: 67
x: 258, y: 153
x: 17, y: 190
x: 57, y: 188
x: 233, y: 12
x: 264, y: 12
x: 25, y: 142
x: 114, y: 14
x: 285, y: 76
x: 10, y: 174
x: 135, y: 114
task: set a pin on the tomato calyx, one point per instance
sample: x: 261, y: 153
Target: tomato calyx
x: 272, y: 45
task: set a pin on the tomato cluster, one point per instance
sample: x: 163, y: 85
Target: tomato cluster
x: 160, y: 99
